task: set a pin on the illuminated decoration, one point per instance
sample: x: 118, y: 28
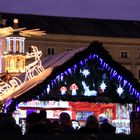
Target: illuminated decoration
x: 88, y: 92
x: 73, y: 88
x: 104, y: 74
x: 6, y: 87
x: 7, y: 31
x: 103, y: 86
x: 85, y: 72
x: 120, y: 90
x: 101, y: 67
x: 32, y: 71
x: 48, y: 89
x: 35, y: 67
x: 63, y: 90
x: 14, y: 54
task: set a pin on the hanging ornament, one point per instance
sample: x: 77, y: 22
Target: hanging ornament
x: 103, y: 86
x: 48, y: 89
x: 63, y: 90
x: 73, y: 88
x: 85, y: 73
x: 120, y: 90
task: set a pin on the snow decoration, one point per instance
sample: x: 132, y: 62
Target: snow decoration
x: 85, y: 73
x: 63, y: 90
x: 73, y: 88
x: 120, y: 90
x: 103, y: 86
x: 88, y: 92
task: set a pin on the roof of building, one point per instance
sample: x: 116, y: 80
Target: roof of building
x: 77, y: 26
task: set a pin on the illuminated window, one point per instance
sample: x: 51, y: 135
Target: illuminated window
x: 124, y: 54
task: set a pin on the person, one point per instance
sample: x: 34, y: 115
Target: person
x: 91, y: 126
x: 105, y: 126
x: 65, y: 123
x: 8, y: 126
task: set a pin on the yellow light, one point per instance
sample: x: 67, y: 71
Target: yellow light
x: 34, y: 73
x: 15, y: 20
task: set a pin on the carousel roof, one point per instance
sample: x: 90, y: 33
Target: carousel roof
x: 77, y: 26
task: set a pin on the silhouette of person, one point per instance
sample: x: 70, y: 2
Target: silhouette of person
x: 91, y: 126
x: 105, y: 126
x: 65, y: 123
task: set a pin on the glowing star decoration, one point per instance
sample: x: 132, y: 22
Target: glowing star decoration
x: 35, y: 67
x: 63, y: 90
x: 88, y: 92
x: 73, y: 88
x: 103, y: 86
x: 85, y: 73
x: 120, y: 90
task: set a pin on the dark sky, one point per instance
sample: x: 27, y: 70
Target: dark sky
x: 104, y: 9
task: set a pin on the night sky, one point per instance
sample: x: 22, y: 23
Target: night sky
x: 101, y: 9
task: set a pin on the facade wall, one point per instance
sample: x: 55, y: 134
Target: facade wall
x: 56, y: 43
x: 115, y: 46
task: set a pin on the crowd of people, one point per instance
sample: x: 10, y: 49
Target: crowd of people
x: 37, y: 123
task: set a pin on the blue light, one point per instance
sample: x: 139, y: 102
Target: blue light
x: 104, y: 66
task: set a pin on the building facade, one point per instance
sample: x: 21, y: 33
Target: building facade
x: 126, y: 51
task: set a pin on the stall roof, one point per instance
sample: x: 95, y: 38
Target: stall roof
x: 65, y: 63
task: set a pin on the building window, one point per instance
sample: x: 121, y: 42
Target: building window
x: 139, y: 55
x: 50, y: 51
x: 139, y: 74
x: 69, y: 49
x: 124, y: 54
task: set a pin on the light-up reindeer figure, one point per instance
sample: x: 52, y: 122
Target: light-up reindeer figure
x: 35, y: 67
x: 88, y: 92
